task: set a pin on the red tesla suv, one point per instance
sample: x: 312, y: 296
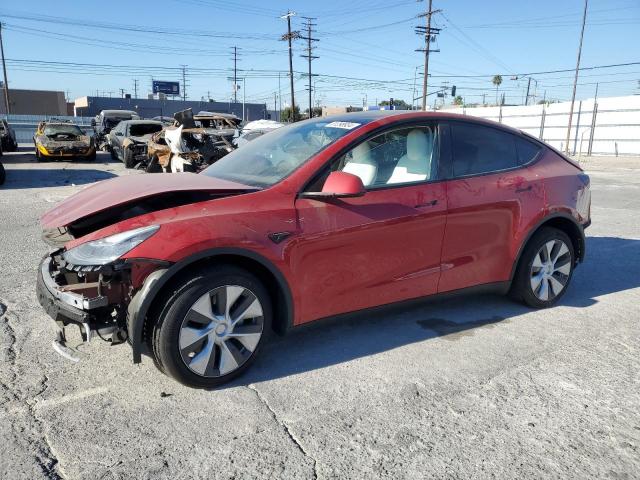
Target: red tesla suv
x: 313, y: 220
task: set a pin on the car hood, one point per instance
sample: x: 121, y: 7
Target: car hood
x: 129, y: 193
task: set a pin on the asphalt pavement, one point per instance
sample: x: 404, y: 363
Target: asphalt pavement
x: 478, y: 387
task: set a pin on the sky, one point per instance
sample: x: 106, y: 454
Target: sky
x: 366, y: 49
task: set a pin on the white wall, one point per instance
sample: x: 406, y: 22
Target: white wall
x: 617, y: 123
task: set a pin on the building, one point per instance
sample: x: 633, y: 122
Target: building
x: 326, y: 111
x: 34, y: 102
x: 153, y: 107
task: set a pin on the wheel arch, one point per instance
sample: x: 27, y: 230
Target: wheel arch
x: 272, y: 278
x: 561, y: 221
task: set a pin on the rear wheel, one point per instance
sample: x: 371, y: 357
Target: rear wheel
x: 2, y: 174
x: 210, y: 330
x: 545, y: 269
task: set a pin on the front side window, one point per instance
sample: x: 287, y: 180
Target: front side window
x: 402, y: 156
x: 478, y: 149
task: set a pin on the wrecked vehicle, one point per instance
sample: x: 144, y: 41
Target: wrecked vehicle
x: 2, y: 174
x: 8, y: 141
x: 317, y: 219
x: 106, y: 120
x: 129, y: 139
x: 57, y: 139
x: 193, y: 144
x: 255, y: 129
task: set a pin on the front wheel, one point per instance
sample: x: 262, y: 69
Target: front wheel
x: 545, y: 269
x: 210, y: 329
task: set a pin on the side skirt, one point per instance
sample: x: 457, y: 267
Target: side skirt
x: 497, y: 288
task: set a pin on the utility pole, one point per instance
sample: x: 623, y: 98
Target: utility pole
x: 429, y: 35
x: 309, y: 56
x: 526, y: 99
x: 235, y: 74
x: 4, y: 71
x: 289, y: 36
x: 184, y: 83
x: 575, y: 79
x: 135, y: 88
x: 279, y: 99
x: 275, y: 103
x: 121, y: 92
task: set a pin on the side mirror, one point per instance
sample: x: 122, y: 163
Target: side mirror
x: 338, y: 185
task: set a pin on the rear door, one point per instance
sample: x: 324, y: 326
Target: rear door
x: 383, y: 247
x: 492, y: 195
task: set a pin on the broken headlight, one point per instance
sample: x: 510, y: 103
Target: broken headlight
x: 108, y: 249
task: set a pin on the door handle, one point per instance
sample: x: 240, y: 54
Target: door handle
x: 526, y: 189
x: 431, y: 203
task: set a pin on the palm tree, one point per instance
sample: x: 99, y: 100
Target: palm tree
x: 497, y: 80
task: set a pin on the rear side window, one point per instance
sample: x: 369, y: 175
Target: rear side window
x: 479, y: 149
x: 526, y: 150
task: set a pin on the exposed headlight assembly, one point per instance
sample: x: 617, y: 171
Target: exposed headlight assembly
x: 108, y: 249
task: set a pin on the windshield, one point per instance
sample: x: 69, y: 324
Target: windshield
x: 63, y: 131
x: 113, y: 121
x: 272, y: 157
x: 140, y: 129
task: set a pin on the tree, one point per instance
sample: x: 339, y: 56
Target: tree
x: 286, y: 114
x: 317, y: 112
x: 497, y: 80
x: 458, y: 100
x: 399, y: 104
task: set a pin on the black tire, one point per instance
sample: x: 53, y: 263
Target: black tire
x: 128, y: 158
x: 113, y: 154
x: 522, y: 289
x: 3, y: 175
x: 91, y: 158
x: 165, y: 333
x: 38, y: 155
x: 154, y: 166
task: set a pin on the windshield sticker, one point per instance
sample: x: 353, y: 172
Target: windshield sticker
x: 345, y: 125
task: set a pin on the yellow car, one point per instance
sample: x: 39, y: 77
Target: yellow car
x: 63, y: 140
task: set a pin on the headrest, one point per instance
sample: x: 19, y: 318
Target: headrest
x: 361, y: 153
x: 419, y: 144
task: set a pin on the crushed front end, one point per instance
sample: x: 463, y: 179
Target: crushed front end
x: 91, y: 298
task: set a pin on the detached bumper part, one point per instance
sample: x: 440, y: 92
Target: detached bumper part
x: 68, y: 308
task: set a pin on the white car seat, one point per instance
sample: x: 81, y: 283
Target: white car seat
x: 361, y: 164
x: 415, y: 165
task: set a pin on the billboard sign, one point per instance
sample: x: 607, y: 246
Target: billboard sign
x: 168, y: 88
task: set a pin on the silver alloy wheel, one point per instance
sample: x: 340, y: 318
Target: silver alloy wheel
x: 221, y: 331
x: 550, y: 270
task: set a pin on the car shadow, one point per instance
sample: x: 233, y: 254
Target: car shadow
x: 39, y: 178
x: 51, y: 173
x: 611, y: 266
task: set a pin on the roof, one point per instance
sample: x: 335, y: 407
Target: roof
x: 118, y: 112
x: 205, y: 115
x: 142, y: 122
x: 375, y: 115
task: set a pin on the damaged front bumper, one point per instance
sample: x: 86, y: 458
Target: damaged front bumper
x: 91, y: 313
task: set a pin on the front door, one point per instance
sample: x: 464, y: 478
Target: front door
x: 383, y: 247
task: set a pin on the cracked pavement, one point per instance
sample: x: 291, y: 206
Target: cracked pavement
x: 477, y: 387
